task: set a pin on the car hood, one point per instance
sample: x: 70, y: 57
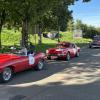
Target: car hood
x: 96, y: 42
x: 55, y: 50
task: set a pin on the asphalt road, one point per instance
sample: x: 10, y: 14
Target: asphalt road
x: 78, y: 79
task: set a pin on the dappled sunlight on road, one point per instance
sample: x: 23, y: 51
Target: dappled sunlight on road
x: 79, y: 71
x: 74, y: 76
x: 69, y: 76
x: 96, y: 55
x: 80, y: 75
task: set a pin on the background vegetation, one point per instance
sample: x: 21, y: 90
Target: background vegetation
x: 26, y: 14
x: 88, y: 30
x: 12, y: 37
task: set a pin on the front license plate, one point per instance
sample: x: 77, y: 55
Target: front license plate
x: 53, y: 57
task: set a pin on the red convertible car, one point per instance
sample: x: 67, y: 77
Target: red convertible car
x: 63, y: 50
x: 12, y: 63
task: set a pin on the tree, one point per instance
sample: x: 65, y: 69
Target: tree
x: 78, y: 24
x: 70, y: 25
x: 59, y: 15
x: 2, y: 17
x: 89, y: 31
x: 23, y: 12
x: 30, y: 12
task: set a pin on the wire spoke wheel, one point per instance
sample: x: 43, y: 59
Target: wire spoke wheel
x: 77, y: 54
x: 40, y: 65
x: 7, y: 74
x: 68, y: 57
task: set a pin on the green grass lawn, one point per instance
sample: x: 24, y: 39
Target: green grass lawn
x: 10, y: 37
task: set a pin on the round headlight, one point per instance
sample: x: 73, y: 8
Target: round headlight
x: 47, y: 51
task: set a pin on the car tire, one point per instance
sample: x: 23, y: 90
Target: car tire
x: 77, y: 54
x: 90, y: 46
x: 40, y: 65
x: 6, y: 75
x: 68, y: 57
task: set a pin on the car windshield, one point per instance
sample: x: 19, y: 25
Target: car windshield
x: 63, y: 45
x: 97, y: 38
x: 19, y: 53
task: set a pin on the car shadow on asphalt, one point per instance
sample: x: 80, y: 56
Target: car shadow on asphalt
x: 51, y: 67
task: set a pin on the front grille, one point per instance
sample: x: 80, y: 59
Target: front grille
x: 53, y: 54
x: 95, y: 44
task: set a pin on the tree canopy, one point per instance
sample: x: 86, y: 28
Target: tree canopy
x: 88, y: 30
x: 21, y: 13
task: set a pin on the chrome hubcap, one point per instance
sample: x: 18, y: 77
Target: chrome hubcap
x: 7, y: 74
x: 40, y: 64
x: 77, y: 53
x: 68, y: 57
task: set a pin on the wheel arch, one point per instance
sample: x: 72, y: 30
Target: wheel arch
x: 68, y: 52
x: 12, y: 67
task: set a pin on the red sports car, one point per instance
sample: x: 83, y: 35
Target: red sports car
x: 64, y: 50
x: 12, y: 63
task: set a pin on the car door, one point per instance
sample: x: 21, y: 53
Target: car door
x: 74, y: 49
x: 31, y: 60
x: 21, y: 63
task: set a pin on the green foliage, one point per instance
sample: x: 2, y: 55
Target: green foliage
x: 88, y: 31
x: 70, y: 25
x: 10, y: 38
x: 78, y: 24
x: 22, y: 13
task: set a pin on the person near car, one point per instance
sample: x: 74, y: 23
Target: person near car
x: 23, y: 51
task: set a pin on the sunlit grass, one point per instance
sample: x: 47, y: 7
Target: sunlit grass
x: 12, y: 37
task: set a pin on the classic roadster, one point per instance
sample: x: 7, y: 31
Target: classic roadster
x: 13, y: 63
x: 63, y: 50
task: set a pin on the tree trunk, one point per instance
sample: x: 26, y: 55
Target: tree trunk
x: 40, y: 34
x: 24, y: 41
x: 58, y: 34
x: 0, y: 34
x: 2, y: 18
x: 40, y: 39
